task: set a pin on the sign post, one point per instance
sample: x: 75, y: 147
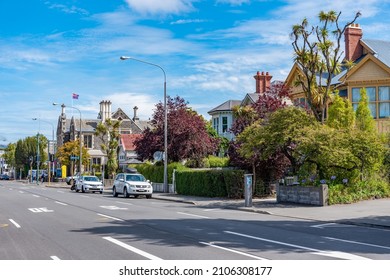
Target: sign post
x: 248, y: 181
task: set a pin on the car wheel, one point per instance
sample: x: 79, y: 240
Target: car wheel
x: 148, y: 196
x: 82, y: 189
x: 101, y: 192
x: 114, y: 193
x: 125, y: 193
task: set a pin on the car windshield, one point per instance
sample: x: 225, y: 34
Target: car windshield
x: 137, y: 177
x: 91, y: 179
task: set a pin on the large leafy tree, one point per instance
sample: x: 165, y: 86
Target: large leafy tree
x: 108, y: 132
x: 26, y: 152
x: 188, y: 137
x: 318, y: 53
x: 269, y: 168
x: 72, y: 148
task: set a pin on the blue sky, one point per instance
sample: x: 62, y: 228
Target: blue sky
x: 210, y: 51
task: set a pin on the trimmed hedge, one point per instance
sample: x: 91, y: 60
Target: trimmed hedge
x: 155, y: 172
x: 211, y: 183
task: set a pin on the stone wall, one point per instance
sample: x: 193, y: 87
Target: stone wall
x: 303, y: 195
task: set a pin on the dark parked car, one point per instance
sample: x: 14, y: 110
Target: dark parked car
x: 4, y: 177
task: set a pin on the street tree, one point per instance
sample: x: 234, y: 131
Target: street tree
x: 264, y: 169
x: 108, y: 132
x: 318, y: 55
x: 69, y: 149
x: 26, y: 152
x: 188, y: 137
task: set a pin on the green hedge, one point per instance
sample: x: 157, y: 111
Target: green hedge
x: 211, y: 183
x: 155, y: 172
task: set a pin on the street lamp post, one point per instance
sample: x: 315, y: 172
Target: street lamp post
x: 165, y: 119
x: 48, y: 146
x: 81, y: 145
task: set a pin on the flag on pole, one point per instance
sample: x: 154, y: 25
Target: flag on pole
x: 75, y: 96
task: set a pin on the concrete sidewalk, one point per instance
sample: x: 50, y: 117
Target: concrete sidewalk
x: 372, y: 213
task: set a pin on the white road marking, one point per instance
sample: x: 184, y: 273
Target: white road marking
x: 330, y: 225
x: 112, y: 207
x: 61, y: 203
x: 131, y: 248
x: 36, y: 195
x: 40, y: 210
x: 15, y: 223
x: 21, y: 191
x: 60, y: 191
x: 116, y: 219
x: 55, y: 258
x: 193, y: 215
x: 333, y: 254
x: 126, y: 203
x: 234, y: 251
x: 356, y: 242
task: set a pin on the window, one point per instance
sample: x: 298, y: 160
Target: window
x: 97, y: 161
x: 224, y: 124
x: 384, y: 102
x: 88, y: 141
x: 372, y: 99
x: 216, y: 124
x: 300, y: 102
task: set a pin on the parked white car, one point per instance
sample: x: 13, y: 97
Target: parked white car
x: 132, y: 184
x: 89, y: 184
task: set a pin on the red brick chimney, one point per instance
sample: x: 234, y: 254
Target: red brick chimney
x: 263, y: 82
x: 353, y: 48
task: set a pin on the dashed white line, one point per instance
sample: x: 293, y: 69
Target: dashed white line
x: 356, y: 242
x: 36, y: 195
x: 106, y: 216
x: 15, y: 223
x: 193, y: 215
x: 131, y: 248
x: 61, y: 203
x: 234, y: 251
x: 333, y: 254
x: 55, y: 258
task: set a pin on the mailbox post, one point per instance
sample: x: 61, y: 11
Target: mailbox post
x: 248, y: 181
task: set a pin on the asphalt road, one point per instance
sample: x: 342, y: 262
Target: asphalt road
x: 39, y: 223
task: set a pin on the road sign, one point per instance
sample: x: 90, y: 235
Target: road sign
x: 74, y: 157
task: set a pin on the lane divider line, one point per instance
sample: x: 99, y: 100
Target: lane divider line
x: 15, y: 223
x: 234, y: 251
x: 61, y: 203
x: 193, y: 215
x: 356, y: 242
x: 106, y: 216
x: 333, y: 254
x: 55, y: 258
x: 131, y: 248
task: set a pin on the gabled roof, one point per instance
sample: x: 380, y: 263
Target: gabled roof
x: 119, y: 113
x: 380, y: 49
x: 127, y: 141
x: 226, y: 106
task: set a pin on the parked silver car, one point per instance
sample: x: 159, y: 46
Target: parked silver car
x: 89, y: 183
x: 132, y: 184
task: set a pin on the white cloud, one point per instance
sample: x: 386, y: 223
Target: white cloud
x: 233, y: 2
x: 186, y: 21
x: 160, y: 7
x: 67, y: 9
